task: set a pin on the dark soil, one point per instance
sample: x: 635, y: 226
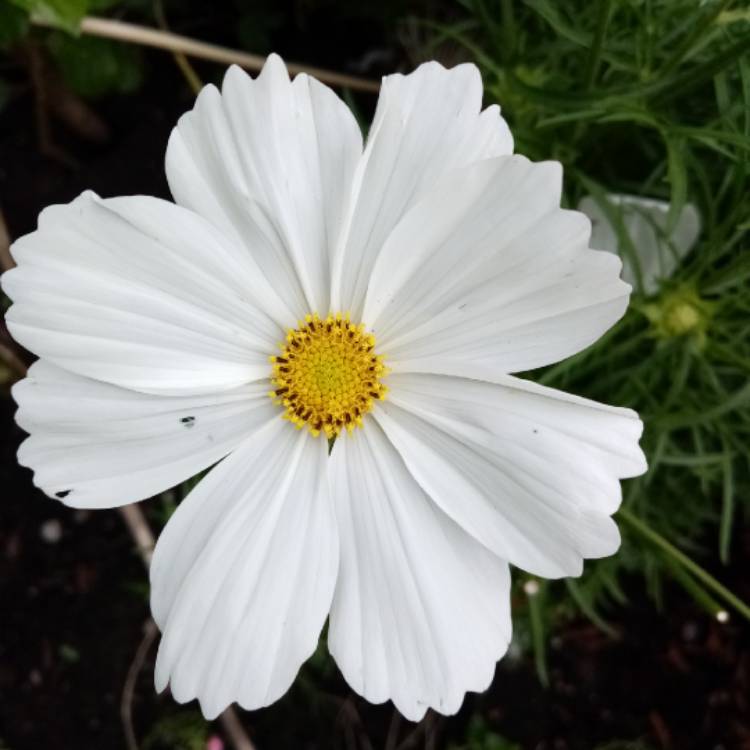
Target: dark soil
x: 72, y: 610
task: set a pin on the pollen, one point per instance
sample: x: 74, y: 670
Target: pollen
x: 328, y: 375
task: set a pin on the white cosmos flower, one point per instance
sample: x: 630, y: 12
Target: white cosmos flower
x: 658, y: 251
x: 155, y: 322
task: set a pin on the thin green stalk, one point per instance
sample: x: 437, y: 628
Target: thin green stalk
x: 727, y: 510
x: 508, y: 27
x: 587, y: 609
x: 536, y: 619
x: 699, y: 594
x: 681, y: 558
x: 602, y: 21
x: 698, y: 30
x: 667, y: 89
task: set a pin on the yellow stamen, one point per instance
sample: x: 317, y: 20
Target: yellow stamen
x: 327, y: 375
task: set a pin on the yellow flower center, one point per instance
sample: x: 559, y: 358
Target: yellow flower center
x: 327, y: 375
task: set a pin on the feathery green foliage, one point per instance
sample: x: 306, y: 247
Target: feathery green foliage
x: 649, y: 98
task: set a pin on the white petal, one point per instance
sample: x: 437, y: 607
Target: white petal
x: 488, y: 269
x: 140, y: 293
x: 421, y: 611
x: 427, y: 124
x: 243, y: 574
x: 529, y: 471
x: 645, y: 221
x: 94, y: 445
x: 271, y: 162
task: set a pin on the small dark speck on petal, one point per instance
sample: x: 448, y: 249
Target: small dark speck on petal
x: 536, y: 431
x: 62, y: 493
x: 188, y: 421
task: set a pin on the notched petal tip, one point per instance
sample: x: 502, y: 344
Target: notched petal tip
x: 468, y: 69
x: 273, y: 66
x: 554, y: 176
x: 211, y: 708
x: 161, y: 676
x: 233, y: 77
x: 60, y: 213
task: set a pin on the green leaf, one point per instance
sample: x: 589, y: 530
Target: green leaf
x: 94, y: 67
x: 62, y: 14
x: 727, y: 511
x: 678, y: 181
x: 550, y: 12
x: 13, y: 24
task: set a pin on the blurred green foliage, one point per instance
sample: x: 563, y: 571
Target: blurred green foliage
x: 480, y: 737
x: 64, y: 14
x: 182, y: 730
x: 93, y: 67
x: 14, y: 24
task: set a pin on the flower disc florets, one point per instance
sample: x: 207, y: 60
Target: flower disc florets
x: 328, y: 374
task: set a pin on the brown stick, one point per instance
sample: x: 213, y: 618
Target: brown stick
x: 150, y: 631
x: 140, y: 531
x: 167, y: 40
x: 14, y: 363
x: 6, y: 259
x: 187, y: 70
x: 8, y: 356
x: 425, y: 728
x: 235, y: 731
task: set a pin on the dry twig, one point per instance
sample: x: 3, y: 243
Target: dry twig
x: 140, y: 531
x: 12, y: 361
x: 6, y: 260
x: 150, y: 631
x: 235, y: 731
x: 8, y: 356
x: 167, y: 40
x: 187, y: 70
x: 427, y: 728
x: 47, y: 145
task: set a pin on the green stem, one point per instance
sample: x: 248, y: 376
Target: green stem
x: 699, y: 594
x: 727, y: 508
x: 680, y: 557
x: 508, y: 28
x: 538, y: 639
x: 700, y: 28
x: 586, y: 607
x: 602, y: 21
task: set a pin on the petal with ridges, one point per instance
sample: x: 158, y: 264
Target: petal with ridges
x: 142, y: 294
x: 243, y: 574
x: 94, y: 445
x: 421, y: 611
x: 427, y: 124
x: 271, y: 162
x: 658, y: 253
x: 530, y: 472
x: 488, y: 269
